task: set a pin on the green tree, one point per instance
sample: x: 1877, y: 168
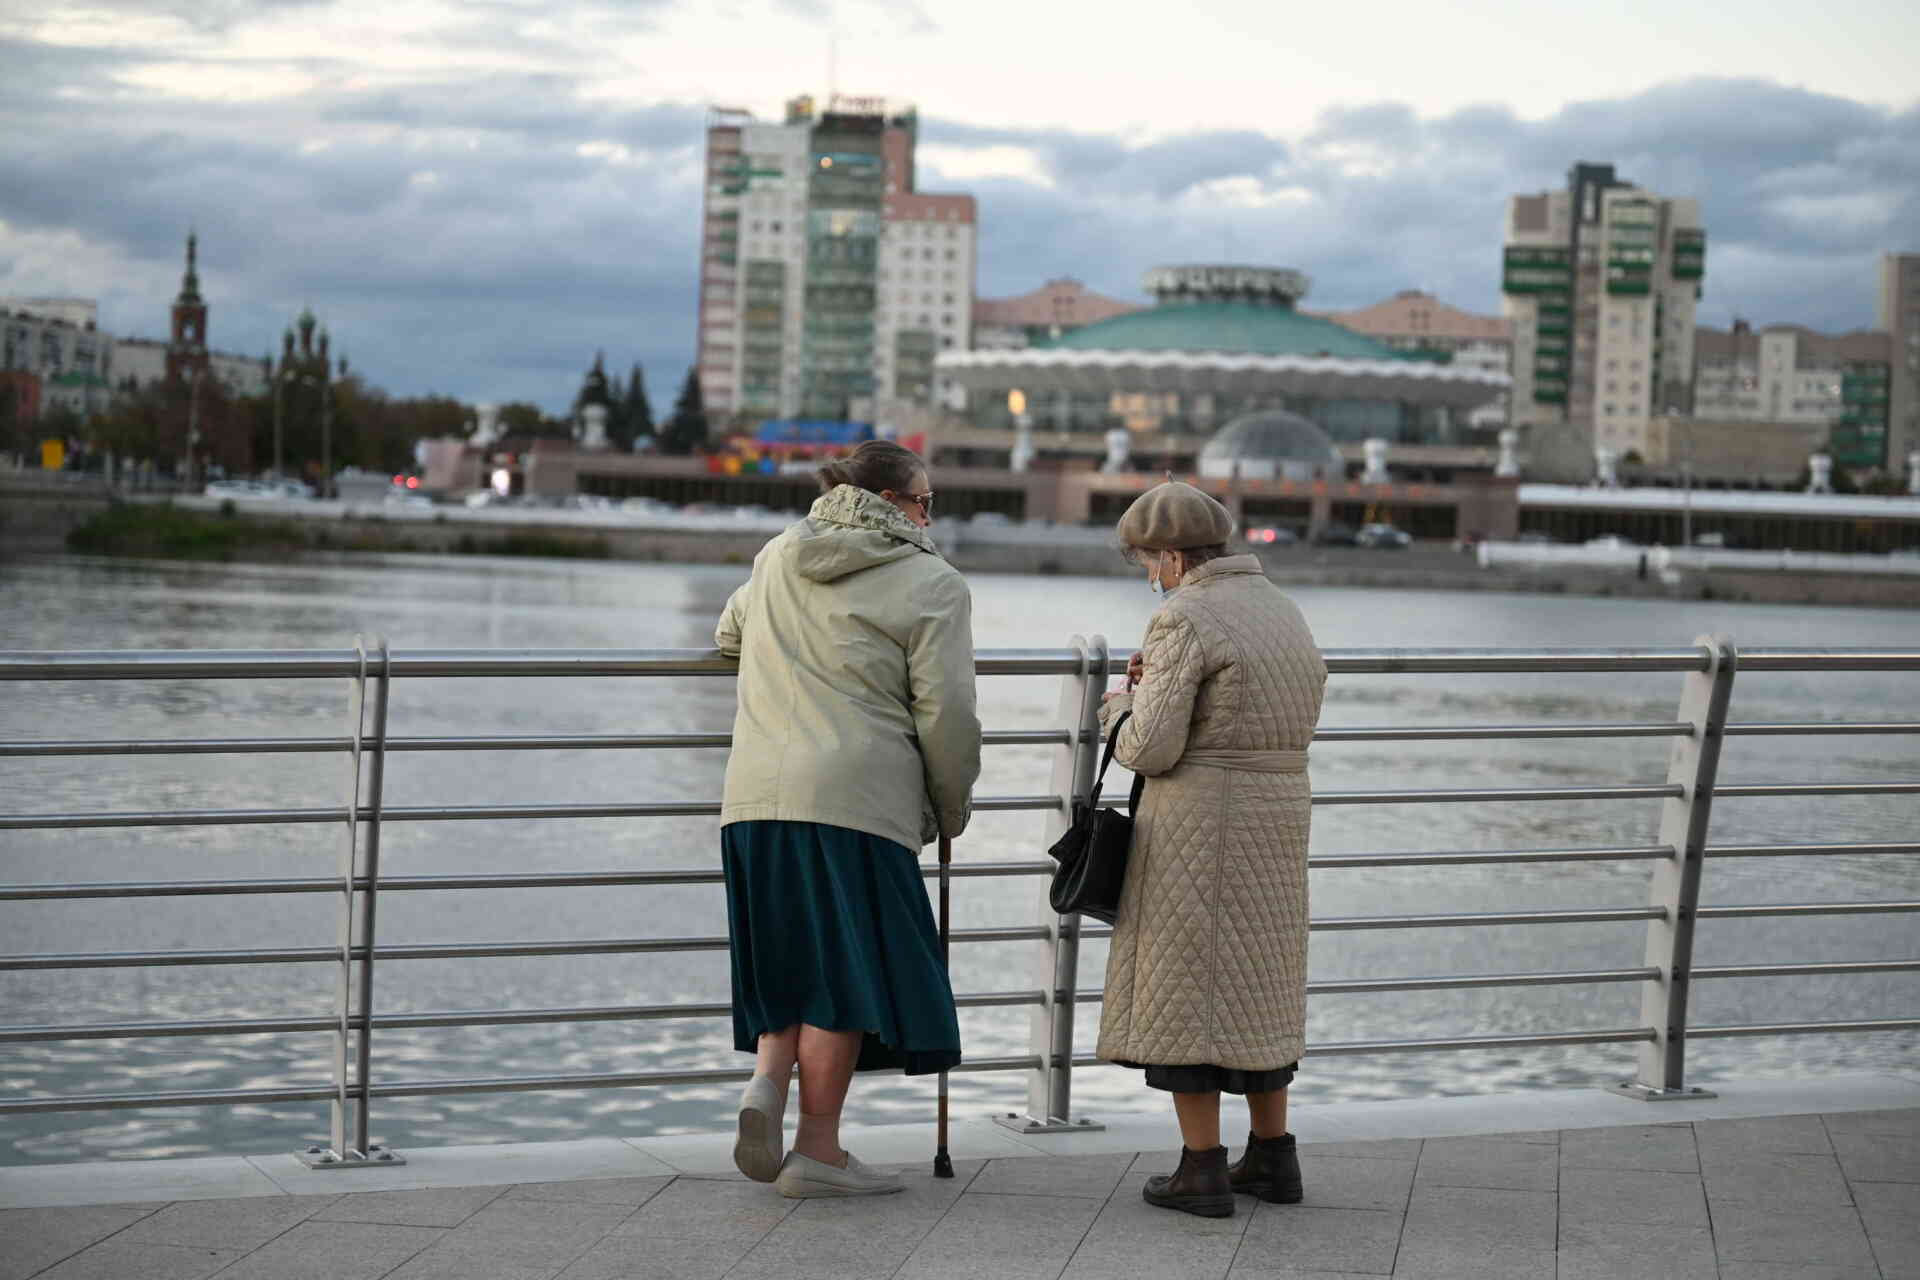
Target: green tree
x: 639, y: 409
x: 686, y: 430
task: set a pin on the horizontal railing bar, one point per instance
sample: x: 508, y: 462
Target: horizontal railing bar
x: 526, y: 1084
x: 28, y: 1034
x: 564, y: 742
x: 1724, y: 790
x: 1811, y: 968
x: 1443, y: 733
x: 1591, y: 915
x: 1457, y: 982
x: 181, y: 1098
x: 1752, y: 910
x: 1779, y: 658
x: 556, y: 880
x: 1503, y: 795
x: 110, y: 889
x: 1015, y: 933
x: 433, y: 951
x: 1805, y: 1028
x: 1470, y: 857
x: 421, y: 813
x: 1797, y: 850
x: 1824, y: 726
x: 1349, y: 1048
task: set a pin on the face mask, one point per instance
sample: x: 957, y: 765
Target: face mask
x: 1153, y: 583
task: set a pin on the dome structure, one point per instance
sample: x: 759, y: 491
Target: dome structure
x: 1271, y: 445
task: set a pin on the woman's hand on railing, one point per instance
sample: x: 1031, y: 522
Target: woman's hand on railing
x: 1136, y: 668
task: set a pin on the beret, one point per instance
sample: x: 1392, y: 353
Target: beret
x: 1174, y: 516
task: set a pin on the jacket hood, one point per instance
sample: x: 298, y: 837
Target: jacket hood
x: 849, y: 530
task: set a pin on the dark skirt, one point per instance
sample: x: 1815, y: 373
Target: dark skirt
x: 1207, y: 1078
x: 832, y: 927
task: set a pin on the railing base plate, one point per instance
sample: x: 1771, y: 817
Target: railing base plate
x: 325, y: 1158
x: 1027, y: 1124
x: 1647, y: 1093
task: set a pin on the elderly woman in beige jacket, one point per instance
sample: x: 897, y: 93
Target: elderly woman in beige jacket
x: 855, y: 742
x: 1207, y: 975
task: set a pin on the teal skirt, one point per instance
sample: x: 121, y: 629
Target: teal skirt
x: 832, y: 927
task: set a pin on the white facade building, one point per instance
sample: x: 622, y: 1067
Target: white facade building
x: 62, y: 348
x: 828, y: 283
x: 1600, y: 282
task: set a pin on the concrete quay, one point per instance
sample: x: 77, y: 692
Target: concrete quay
x: 1771, y: 1180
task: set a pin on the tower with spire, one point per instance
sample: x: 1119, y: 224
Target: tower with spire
x: 187, y: 348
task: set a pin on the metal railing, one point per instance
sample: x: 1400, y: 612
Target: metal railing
x: 1665, y: 974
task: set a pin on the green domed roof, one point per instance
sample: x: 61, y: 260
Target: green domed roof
x: 1227, y: 328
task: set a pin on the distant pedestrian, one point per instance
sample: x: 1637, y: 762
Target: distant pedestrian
x: 1207, y: 974
x: 855, y: 742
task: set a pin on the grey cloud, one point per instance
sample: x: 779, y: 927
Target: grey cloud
x: 207, y: 16
x: 474, y: 250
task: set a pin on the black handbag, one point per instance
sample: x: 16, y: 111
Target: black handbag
x: 1093, y: 852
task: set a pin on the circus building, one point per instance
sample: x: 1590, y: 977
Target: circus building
x: 1220, y: 342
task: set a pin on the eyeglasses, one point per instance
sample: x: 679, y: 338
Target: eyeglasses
x: 924, y: 501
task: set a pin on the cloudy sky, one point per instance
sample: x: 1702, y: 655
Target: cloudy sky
x: 475, y: 195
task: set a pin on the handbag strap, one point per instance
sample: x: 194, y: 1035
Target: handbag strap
x: 1100, y: 778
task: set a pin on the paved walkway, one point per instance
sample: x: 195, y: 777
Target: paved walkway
x: 1832, y: 1196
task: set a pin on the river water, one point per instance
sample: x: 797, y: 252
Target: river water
x: 73, y: 603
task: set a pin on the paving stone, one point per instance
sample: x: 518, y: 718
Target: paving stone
x: 1087, y: 1177
x: 1005, y: 1237
x: 38, y: 1238
x: 334, y: 1251
x: 911, y: 1213
x: 442, y: 1207
x: 1542, y: 1137
x: 1635, y: 1251
x: 431, y: 1264
x: 1827, y: 1235
x: 1878, y: 1157
x: 1891, y: 1213
x: 112, y: 1261
x: 631, y: 1192
x: 1775, y: 1177
x: 1904, y: 1122
x: 1341, y: 1182
x: 832, y: 1252
x: 1803, y: 1134
x: 1381, y: 1149
x: 1127, y: 1216
x: 1639, y: 1196
x: 1740, y: 1270
x: 1479, y: 1217
x: 1359, y: 1240
x: 650, y: 1258
x: 1667, y: 1148
x: 1174, y: 1257
x: 533, y: 1233
x: 730, y: 1212
x: 1468, y: 1262
x: 226, y: 1224
x: 1473, y: 1162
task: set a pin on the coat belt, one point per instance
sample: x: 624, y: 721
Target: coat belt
x: 1250, y: 761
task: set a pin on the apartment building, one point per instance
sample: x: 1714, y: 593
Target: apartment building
x: 1599, y: 283
x: 829, y: 282
x: 1899, y: 317
x: 56, y: 343
x: 1788, y: 374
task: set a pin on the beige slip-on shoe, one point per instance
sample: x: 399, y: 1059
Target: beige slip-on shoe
x: 804, y: 1178
x: 757, y: 1145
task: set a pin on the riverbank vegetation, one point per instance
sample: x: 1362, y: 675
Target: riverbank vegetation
x: 169, y: 532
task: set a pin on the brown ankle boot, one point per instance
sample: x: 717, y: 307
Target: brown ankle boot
x: 1270, y: 1169
x: 1200, y: 1185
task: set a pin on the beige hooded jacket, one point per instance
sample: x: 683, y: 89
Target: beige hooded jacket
x: 855, y: 640
x: 1209, y: 955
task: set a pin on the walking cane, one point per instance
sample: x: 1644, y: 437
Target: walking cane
x: 942, y: 1162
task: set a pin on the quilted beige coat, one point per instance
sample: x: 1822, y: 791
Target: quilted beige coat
x: 1209, y: 955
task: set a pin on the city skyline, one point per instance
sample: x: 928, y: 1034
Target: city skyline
x: 480, y: 233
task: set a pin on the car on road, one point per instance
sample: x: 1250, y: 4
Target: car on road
x: 1383, y: 536
x: 1335, y: 534
x: 1272, y: 536
x: 1613, y: 542
x: 1534, y: 538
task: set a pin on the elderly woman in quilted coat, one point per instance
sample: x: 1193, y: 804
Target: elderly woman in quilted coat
x: 1207, y: 976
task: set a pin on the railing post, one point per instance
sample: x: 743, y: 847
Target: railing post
x: 1675, y: 883
x: 360, y: 860
x: 1057, y: 956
